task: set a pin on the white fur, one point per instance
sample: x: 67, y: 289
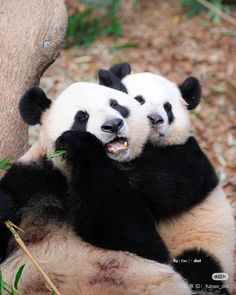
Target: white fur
x: 76, y: 267
x: 157, y: 90
x: 94, y: 99
x: 209, y: 226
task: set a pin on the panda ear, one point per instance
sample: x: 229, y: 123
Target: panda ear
x: 107, y: 78
x: 121, y: 70
x: 32, y: 104
x: 191, y: 92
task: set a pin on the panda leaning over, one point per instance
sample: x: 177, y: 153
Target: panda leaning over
x: 191, y: 211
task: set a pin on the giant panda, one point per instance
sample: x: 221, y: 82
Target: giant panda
x: 192, y: 213
x: 80, y: 217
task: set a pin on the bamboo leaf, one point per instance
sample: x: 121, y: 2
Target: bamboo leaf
x: 59, y: 153
x: 18, y: 276
x: 1, y: 282
x: 5, y: 163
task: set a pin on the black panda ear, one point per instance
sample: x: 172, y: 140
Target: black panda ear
x: 191, y: 92
x: 121, y: 70
x: 107, y: 78
x: 32, y: 104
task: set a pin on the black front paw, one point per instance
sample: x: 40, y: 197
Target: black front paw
x: 6, y: 207
x: 78, y: 144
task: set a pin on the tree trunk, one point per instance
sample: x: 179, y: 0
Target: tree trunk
x: 32, y: 34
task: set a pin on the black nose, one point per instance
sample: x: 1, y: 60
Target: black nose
x: 112, y: 126
x: 156, y: 119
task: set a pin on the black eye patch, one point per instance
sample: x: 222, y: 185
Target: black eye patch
x: 119, y: 108
x: 140, y: 99
x: 168, y: 109
x: 80, y: 121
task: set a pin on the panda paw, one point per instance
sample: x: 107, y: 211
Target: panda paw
x: 78, y: 144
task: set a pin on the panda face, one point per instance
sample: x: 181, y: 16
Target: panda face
x: 112, y: 116
x: 162, y: 102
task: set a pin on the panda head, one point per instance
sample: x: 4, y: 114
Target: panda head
x: 165, y: 103
x: 110, y: 115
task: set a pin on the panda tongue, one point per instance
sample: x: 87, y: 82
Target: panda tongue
x: 116, y: 146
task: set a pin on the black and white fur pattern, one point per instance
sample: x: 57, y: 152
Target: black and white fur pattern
x: 75, y: 213
x: 191, y: 210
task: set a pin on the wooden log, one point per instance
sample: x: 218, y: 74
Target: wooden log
x: 32, y: 34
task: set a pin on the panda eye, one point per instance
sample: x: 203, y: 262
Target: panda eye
x: 81, y: 117
x: 140, y: 99
x: 167, y: 106
x: 113, y: 103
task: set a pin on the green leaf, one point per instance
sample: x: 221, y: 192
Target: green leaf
x: 12, y: 291
x: 5, y: 163
x: 59, y: 153
x: 115, y: 7
x: 18, y: 276
x: 5, y: 286
x: 1, y: 283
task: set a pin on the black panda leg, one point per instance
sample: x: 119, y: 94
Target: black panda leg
x: 104, y: 208
x: 197, y: 267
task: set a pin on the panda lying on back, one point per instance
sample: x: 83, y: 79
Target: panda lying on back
x: 94, y: 201
x: 175, y: 176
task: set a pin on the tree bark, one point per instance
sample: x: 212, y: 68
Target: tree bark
x: 32, y: 34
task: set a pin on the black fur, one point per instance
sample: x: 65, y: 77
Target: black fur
x: 106, y: 211
x: 99, y: 202
x: 191, y: 92
x: 80, y: 122
x: 32, y: 104
x: 121, y: 70
x: 140, y: 99
x: 119, y: 108
x: 173, y: 178
x: 169, y: 112
x: 197, y: 267
x: 23, y: 183
x: 108, y: 79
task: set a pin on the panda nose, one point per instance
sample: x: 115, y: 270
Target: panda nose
x: 156, y: 119
x: 112, y: 126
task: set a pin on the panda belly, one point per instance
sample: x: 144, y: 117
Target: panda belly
x: 76, y: 267
x: 208, y: 226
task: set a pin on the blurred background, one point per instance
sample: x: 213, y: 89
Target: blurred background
x: 171, y: 38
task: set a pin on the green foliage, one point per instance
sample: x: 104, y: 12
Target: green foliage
x: 193, y: 7
x: 5, y: 163
x: 99, y: 18
x: 9, y: 288
x: 59, y: 153
x: 18, y: 276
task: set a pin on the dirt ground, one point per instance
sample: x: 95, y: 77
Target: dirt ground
x: 159, y: 38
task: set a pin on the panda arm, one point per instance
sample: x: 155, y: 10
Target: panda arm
x: 104, y: 209
x: 13, y: 195
x: 19, y: 186
x: 24, y: 181
x: 174, y: 179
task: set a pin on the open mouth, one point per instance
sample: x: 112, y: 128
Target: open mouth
x: 117, y: 145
